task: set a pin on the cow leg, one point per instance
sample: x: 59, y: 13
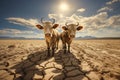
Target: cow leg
x: 57, y: 42
x: 64, y: 48
x: 48, y: 54
x: 56, y: 45
x: 53, y: 50
x: 63, y: 44
x: 68, y: 48
x: 48, y: 48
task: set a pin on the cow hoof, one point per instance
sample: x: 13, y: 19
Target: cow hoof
x: 65, y: 52
x: 48, y: 55
x: 68, y: 51
x: 52, y: 54
x: 56, y: 48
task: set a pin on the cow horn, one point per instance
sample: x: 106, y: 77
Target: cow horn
x: 77, y: 23
x: 42, y: 20
x: 66, y: 24
x: 53, y: 20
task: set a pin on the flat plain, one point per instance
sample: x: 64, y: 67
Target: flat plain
x: 88, y: 60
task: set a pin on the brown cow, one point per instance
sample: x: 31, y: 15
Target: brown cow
x: 69, y: 34
x: 51, y: 35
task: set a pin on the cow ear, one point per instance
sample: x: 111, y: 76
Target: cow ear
x: 64, y: 28
x: 79, y: 28
x: 39, y: 26
x: 55, y: 26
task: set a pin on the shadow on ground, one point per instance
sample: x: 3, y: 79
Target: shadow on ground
x: 37, y: 66
x: 26, y: 69
x: 71, y: 69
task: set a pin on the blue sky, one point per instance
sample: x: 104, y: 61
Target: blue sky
x: 100, y: 18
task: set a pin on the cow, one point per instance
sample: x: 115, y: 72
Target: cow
x: 68, y: 34
x: 51, y: 34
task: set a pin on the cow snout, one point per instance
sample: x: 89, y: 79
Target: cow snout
x: 72, y: 36
x: 47, y: 34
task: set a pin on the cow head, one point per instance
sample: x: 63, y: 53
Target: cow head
x: 47, y: 27
x: 71, y: 29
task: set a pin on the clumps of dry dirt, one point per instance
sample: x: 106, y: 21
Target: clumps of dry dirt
x: 11, y: 46
x: 88, y: 60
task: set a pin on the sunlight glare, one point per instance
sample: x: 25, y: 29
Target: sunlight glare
x: 64, y: 6
x: 61, y: 16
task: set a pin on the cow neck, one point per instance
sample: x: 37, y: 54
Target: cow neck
x: 53, y: 33
x: 66, y: 34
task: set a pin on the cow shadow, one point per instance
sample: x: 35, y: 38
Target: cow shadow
x: 30, y: 65
x: 71, y: 69
x: 34, y: 65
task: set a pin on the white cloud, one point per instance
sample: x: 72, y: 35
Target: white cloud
x: 9, y: 31
x: 14, y: 31
x: 93, y: 23
x: 105, y: 9
x: 114, y: 21
x: 22, y: 21
x: 107, y: 32
x: 81, y: 10
x: 97, y: 21
x: 20, y: 33
x: 61, y: 19
x: 55, y: 16
x: 108, y: 6
x: 112, y: 1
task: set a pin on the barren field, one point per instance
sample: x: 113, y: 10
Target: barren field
x: 88, y: 60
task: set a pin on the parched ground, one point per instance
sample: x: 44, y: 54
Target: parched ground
x: 88, y: 60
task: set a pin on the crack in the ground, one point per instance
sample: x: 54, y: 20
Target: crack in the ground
x: 37, y: 66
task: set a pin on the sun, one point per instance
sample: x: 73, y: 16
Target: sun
x: 64, y: 6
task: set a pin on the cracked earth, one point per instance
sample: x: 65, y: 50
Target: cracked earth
x: 88, y: 60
